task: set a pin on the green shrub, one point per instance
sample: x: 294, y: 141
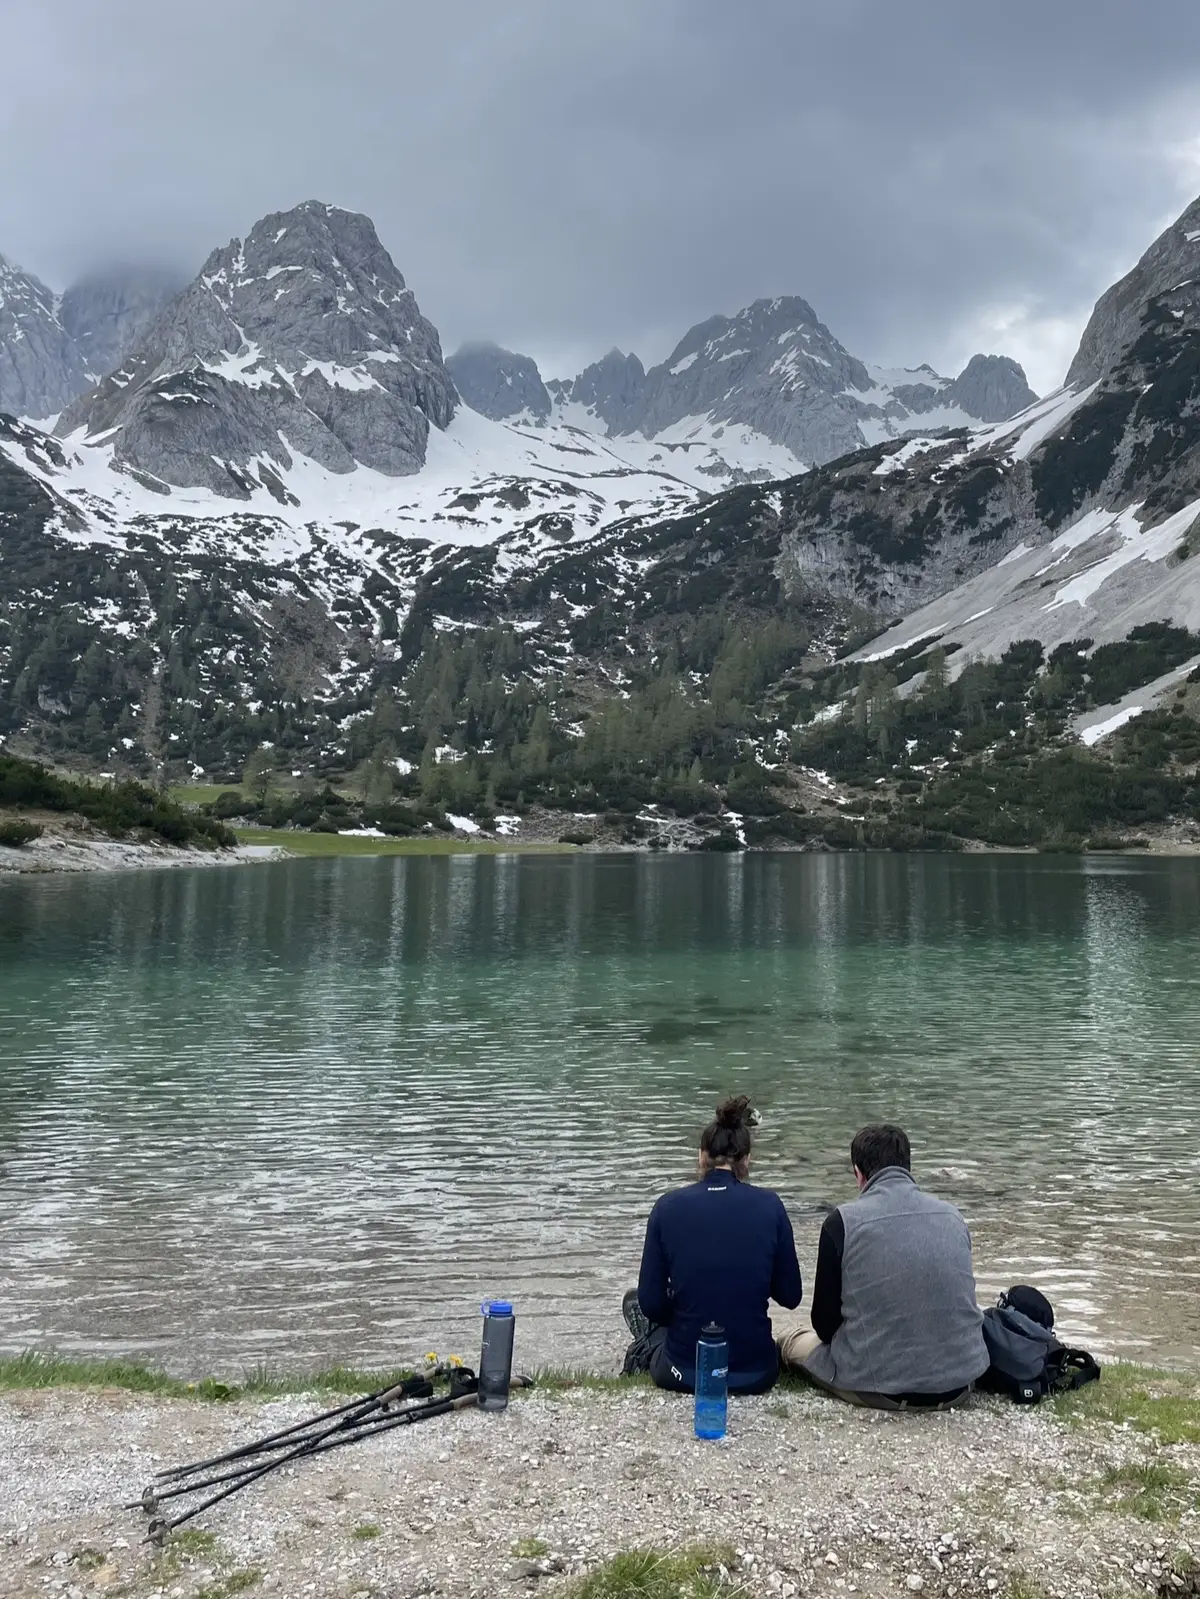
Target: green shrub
x: 724, y: 842
x: 117, y: 808
x: 17, y: 834
x: 231, y: 803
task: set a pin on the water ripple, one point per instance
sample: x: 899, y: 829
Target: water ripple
x: 315, y: 1112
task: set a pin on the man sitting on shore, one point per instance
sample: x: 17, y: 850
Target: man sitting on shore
x: 894, y: 1315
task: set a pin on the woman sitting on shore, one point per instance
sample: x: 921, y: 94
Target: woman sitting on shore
x: 716, y: 1251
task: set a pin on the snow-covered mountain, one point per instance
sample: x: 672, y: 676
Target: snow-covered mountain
x: 1088, y: 504
x: 773, y: 371
x: 778, y: 370
x: 296, y: 375
x: 52, y: 348
x: 301, y: 337
x: 281, y: 495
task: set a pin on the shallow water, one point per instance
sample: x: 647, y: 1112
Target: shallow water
x: 314, y: 1112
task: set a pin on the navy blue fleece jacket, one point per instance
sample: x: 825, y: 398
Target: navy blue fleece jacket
x: 718, y: 1251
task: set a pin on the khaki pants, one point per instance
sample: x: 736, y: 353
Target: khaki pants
x: 797, y: 1348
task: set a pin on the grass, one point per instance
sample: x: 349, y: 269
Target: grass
x: 194, y: 1541
x: 35, y: 1369
x: 1164, y: 1403
x: 567, y: 1379
x: 188, y: 1547
x: 530, y: 1548
x: 365, y: 1531
x: 297, y: 842
x: 201, y: 793
x: 236, y: 1582
x: 1149, y: 1491
x: 1021, y: 1586
x: 47, y: 1369
x: 700, y: 1573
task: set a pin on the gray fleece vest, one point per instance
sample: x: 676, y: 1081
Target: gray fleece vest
x: 911, y: 1323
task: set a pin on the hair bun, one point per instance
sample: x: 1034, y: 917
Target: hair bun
x: 736, y: 1112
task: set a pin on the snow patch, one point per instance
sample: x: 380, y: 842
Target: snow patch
x: 1035, y: 423
x: 1093, y: 735
x: 1153, y: 544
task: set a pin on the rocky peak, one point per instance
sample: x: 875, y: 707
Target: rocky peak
x: 107, y: 312
x: 40, y: 368
x: 611, y: 388
x: 498, y: 383
x: 776, y: 369
x: 776, y: 345
x: 773, y: 367
x: 302, y: 336
x: 1171, y: 262
x: 766, y: 327
x: 990, y: 387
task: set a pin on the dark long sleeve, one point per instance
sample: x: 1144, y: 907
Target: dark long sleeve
x: 786, y: 1287
x: 654, y: 1281
x: 827, y: 1288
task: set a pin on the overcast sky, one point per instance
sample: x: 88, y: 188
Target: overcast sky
x: 934, y: 176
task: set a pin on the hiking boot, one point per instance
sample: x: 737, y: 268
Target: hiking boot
x: 636, y: 1319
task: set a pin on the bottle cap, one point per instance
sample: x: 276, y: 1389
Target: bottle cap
x: 496, y: 1307
x: 712, y: 1331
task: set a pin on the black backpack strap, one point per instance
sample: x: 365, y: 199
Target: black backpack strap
x: 463, y: 1381
x: 1077, y: 1369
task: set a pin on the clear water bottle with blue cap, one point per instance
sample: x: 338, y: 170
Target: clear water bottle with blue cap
x: 712, y: 1382
x: 496, y: 1356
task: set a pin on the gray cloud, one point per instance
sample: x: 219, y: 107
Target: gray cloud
x: 933, y: 177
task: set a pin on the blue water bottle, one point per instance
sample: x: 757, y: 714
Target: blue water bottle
x: 712, y: 1382
x: 496, y: 1356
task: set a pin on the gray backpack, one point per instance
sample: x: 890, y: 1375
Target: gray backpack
x: 1027, y: 1360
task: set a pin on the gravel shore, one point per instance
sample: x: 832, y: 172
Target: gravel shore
x: 816, y: 1498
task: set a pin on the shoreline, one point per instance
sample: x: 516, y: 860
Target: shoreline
x: 70, y: 850
x: 56, y: 855
x: 1091, y: 1496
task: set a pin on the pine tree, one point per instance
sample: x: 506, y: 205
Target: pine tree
x: 935, y: 691
x: 884, y: 713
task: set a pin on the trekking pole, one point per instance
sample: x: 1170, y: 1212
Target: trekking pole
x: 160, y: 1530
x: 348, y: 1430
x: 409, y: 1388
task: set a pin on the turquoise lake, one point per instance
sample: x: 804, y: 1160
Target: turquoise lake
x: 313, y: 1112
